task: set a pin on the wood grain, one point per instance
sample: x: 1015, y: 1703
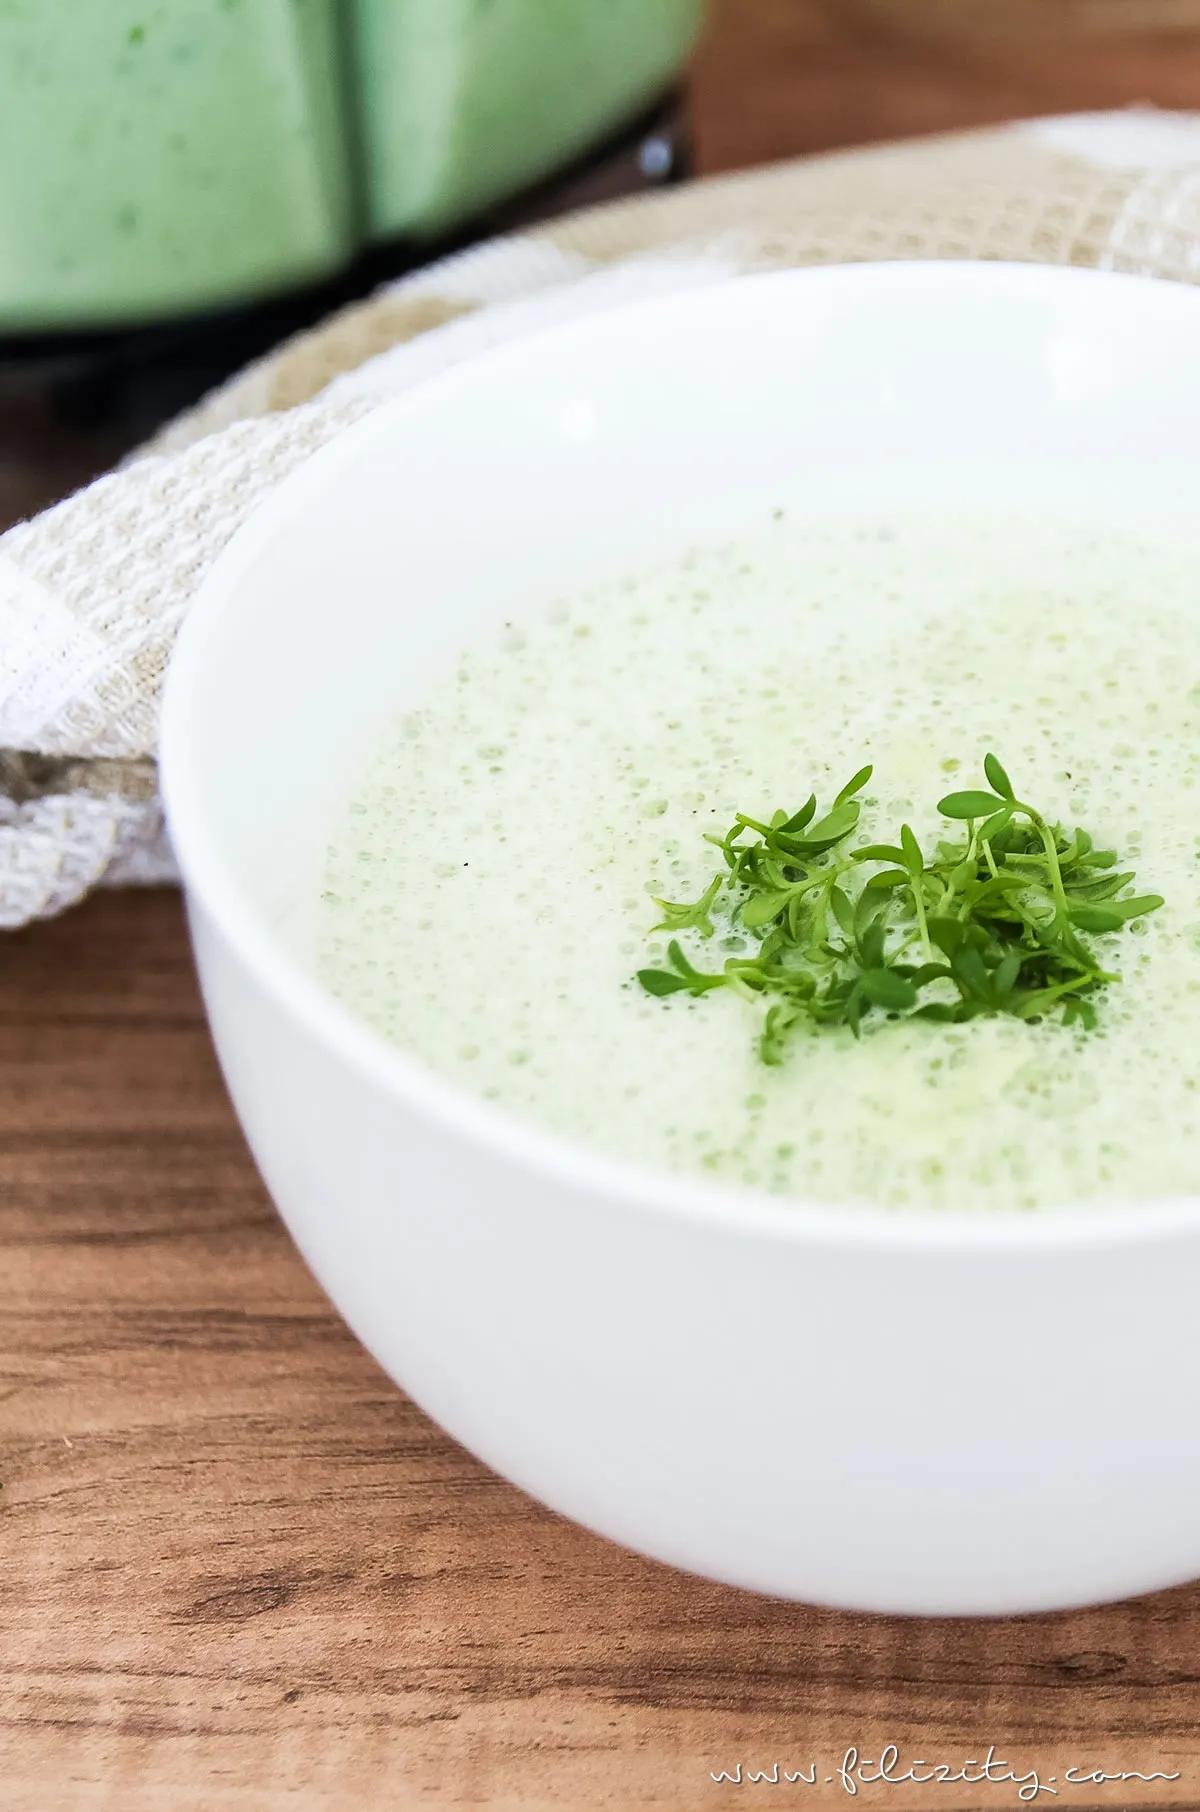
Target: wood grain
x: 239, y: 1572
x: 783, y: 77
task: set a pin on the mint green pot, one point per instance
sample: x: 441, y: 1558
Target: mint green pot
x: 160, y: 157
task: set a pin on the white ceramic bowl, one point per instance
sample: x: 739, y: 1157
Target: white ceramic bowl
x: 896, y: 1411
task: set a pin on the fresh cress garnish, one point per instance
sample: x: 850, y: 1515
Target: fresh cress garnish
x: 992, y: 922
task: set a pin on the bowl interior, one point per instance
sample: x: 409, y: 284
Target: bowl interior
x: 572, y: 457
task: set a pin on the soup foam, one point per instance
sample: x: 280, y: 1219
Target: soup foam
x: 488, y: 892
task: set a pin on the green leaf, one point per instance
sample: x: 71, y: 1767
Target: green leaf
x: 693, y: 916
x: 913, y: 859
x: 879, y: 852
x: 884, y: 988
x: 657, y: 981
x: 1139, y: 906
x: 870, y: 944
x: 1006, y: 972
x: 928, y: 972
x: 967, y: 805
x: 990, y: 829
x: 777, y: 1026
x: 694, y: 979
x: 1091, y: 889
x: 804, y: 816
x: 761, y: 908
x: 842, y: 910
x: 947, y: 934
x: 997, y: 779
x: 828, y: 830
x: 1097, y: 918
x: 854, y: 785
x: 968, y: 970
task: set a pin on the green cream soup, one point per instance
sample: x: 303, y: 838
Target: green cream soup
x: 489, y: 893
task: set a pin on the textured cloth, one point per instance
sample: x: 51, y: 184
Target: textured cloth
x: 93, y: 591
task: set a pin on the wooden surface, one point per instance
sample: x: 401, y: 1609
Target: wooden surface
x: 783, y: 77
x: 239, y: 1572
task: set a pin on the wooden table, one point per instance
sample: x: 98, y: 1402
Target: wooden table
x: 238, y: 1570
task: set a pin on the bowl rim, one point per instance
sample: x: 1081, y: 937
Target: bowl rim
x: 639, y: 1188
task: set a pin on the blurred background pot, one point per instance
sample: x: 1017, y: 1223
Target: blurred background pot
x: 161, y: 158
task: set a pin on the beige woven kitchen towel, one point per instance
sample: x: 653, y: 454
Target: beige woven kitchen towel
x: 92, y: 592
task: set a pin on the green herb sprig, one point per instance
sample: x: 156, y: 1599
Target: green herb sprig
x: 993, y: 922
